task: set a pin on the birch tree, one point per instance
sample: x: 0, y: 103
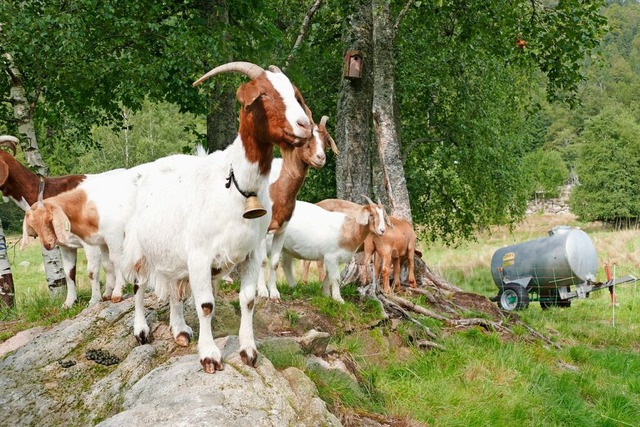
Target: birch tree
x: 7, y: 291
x: 23, y: 109
x: 391, y: 184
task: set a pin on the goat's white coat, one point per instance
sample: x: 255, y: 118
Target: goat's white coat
x: 187, y: 222
x: 314, y: 233
x: 273, y: 246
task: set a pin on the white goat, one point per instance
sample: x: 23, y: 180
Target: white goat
x: 333, y: 237
x: 200, y: 201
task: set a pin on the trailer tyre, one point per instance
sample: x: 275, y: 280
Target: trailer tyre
x: 513, y: 297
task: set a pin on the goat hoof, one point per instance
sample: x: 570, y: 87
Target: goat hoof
x: 249, y: 361
x: 210, y: 365
x: 116, y: 299
x: 143, y: 338
x: 106, y: 298
x: 183, y: 339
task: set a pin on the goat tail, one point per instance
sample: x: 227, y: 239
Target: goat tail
x: 134, y: 265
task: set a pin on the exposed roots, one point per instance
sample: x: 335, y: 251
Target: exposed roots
x: 439, y: 300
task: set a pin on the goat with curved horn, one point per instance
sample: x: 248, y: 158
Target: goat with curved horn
x: 247, y: 68
x: 10, y: 142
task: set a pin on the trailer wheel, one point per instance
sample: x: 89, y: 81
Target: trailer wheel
x: 513, y: 297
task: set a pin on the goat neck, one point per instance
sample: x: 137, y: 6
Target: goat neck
x: 284, y: 190
x: 19, y: 182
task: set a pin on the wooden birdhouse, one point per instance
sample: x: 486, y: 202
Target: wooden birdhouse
x: 352, y: 65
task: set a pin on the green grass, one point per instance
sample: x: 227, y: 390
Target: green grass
x: 483, y: 380
x: 480, y: 379
x: 34, y: 305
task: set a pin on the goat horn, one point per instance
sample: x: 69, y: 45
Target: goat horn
x: 274, y: 69
x: 323, y: 121
x: 368, y: 200
x: 24, y: 205
x: 247, y: 68
x: 9, y: 141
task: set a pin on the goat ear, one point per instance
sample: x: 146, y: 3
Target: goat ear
x: 4, y: 172
x: 247, y: 94
x: 27, y: 232
x: 61, y: 225
x: 362, y: 217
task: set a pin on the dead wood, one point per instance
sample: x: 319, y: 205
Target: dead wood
x: 439, y: 300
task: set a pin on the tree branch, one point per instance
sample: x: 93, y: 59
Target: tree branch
x: 303, y: 31
x: 401, y: 15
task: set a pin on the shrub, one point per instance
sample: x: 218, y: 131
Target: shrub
x: 608, y: 167
x: 547, y: 172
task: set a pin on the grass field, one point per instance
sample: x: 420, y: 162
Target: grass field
x: 480, y: 379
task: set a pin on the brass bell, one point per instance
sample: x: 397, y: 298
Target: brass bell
x: 253, y: 208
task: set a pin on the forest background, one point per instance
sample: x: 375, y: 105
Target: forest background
x: 495, y: 102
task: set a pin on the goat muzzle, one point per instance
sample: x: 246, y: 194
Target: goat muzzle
x: 253, y: 208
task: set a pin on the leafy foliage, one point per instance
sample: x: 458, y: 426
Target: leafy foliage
x: 464, y: 78
x: 609, y: 168
x: 547, y: 171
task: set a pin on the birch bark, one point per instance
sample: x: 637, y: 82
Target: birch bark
x: 23, y: 115
x: 7, y: 292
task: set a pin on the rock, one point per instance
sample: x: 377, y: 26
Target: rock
x: 313, y: 411
x: 331, y: 363
x: 314, y: 342
x: 19, y: 339
x: 237, y: 395
x: 48, y: 380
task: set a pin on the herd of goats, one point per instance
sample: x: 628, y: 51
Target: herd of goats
x: 185, y: 220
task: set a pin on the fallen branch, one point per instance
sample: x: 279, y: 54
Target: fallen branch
x: 487, y: 324
x: 425, y: 344
x: 390, y: 305
x: 538, y: 334
x: 416, y: 308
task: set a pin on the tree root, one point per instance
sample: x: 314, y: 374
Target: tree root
x: 452, y: 303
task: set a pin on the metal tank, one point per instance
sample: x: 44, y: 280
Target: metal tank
x: 545, y: 267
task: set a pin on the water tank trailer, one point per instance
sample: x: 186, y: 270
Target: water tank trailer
x: 552, y: 270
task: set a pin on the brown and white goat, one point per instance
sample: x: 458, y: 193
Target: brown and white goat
x: 314, y: 233
x: 96, y: 212
x: 398, y: 243
x: 287, y: 176
x: 200, y: 202
x: 18, y: 183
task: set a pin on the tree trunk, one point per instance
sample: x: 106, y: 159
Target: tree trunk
x: 222, y: 114
x: 222, y: 120
x: 387, y: 137
x: 6, y: 278
x: 353, y: 127
x: 23, y: 113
